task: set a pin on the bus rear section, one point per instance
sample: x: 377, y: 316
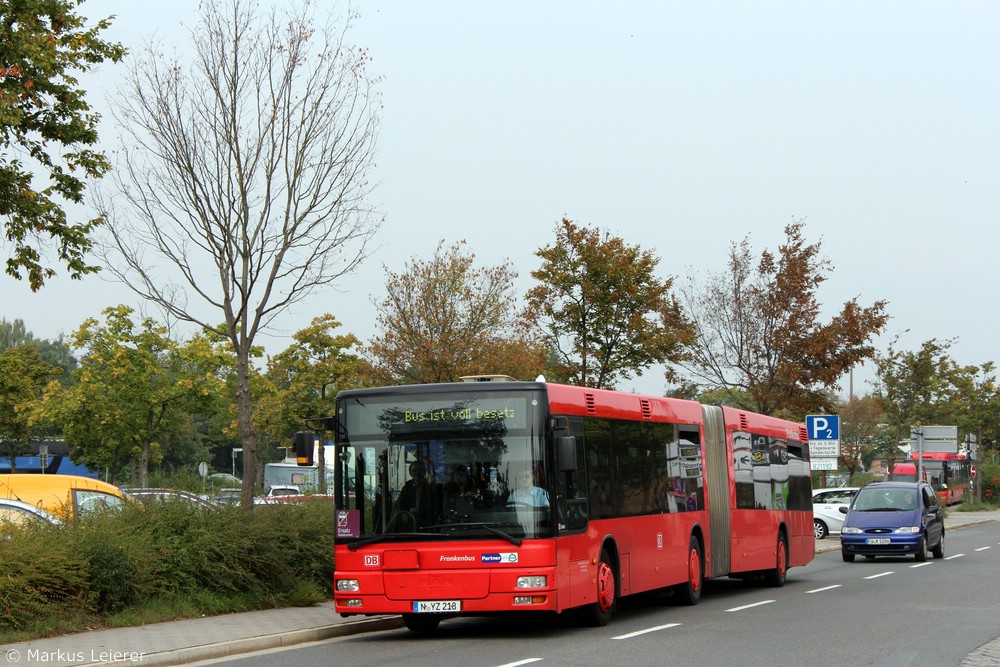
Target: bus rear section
x: 948, y: 473
x: 506, y: 497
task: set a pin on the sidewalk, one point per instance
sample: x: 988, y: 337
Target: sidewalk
x: 190, y: 640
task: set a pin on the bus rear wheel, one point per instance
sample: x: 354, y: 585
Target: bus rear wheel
x: 690, y: 592
x: 599, y: 613
x: 776, y: 577
x: 421, y: 622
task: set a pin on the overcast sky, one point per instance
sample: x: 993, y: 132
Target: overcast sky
x: 681, y: 127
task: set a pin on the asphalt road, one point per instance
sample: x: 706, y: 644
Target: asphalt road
x: 886, y: 612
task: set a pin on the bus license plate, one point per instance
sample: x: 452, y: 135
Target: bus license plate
x: 878, y: 540
x: 437, y: 607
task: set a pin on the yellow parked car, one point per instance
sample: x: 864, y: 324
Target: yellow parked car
x: 65, y: 496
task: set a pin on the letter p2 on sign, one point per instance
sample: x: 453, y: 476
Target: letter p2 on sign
x: 823, y: 427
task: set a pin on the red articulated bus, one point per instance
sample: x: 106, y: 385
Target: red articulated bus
x: 948, y: 473
x: 476, y: 498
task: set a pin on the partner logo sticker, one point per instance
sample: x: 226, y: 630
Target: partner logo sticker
x: 508, y: 557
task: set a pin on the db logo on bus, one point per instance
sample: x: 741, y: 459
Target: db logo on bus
x: 371, y: 560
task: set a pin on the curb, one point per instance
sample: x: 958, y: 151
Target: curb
x: 235, y: 647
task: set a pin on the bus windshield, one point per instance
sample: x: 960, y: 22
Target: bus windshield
x: 449, y: 466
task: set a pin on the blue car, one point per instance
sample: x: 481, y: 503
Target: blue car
x: 893, y: 519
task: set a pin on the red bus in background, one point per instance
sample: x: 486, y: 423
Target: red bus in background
x: 480, y: 497
x: 950, y: 474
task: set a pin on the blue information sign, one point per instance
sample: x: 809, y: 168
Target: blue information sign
x: 823, y: 427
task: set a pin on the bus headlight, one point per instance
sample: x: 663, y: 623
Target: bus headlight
x: 350, y: 585
x: 536, y: 581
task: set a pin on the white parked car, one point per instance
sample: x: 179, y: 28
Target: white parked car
x: 827, y: 517
x: 20, y: 513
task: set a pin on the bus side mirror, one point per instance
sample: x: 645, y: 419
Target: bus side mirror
x: 305, y: 442
x: 566, y: 451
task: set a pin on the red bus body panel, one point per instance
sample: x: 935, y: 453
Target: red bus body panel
x: 650, y: 550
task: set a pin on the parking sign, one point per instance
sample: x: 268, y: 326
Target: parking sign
x: 823, y: 427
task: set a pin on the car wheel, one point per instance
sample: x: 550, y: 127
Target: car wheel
x: 921, y: 554
x: 938, y: 551
x: 848, y: 558
x: 819, y: 529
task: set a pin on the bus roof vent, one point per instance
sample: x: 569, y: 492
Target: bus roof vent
x: 647, y: 410
x: 591, y: 403
x: 487, y: 378
x: 744, y: 423
x: 803, y: 434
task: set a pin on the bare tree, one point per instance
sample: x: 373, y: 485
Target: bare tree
x: 242, y: 181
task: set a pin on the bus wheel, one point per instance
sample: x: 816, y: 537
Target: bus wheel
x: 599, y: 613
x: 421, y: 622
x: 776, y: 577
x: 689, y: 593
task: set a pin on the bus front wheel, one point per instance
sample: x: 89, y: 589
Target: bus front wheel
x: 599, y: 613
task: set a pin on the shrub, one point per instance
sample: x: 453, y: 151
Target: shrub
x: 171, y: 555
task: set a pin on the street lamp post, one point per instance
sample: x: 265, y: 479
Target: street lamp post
x: 919, y: 432
x: 235, y: 450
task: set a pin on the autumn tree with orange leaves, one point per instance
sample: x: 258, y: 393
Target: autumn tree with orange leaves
x: 759, y: 330
x: 444, y: 318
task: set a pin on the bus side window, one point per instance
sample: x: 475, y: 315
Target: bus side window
x: 571, y: 490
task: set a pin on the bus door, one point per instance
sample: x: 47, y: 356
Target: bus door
x: 574, y: 552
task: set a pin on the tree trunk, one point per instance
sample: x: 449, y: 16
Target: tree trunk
x: 248, y: 436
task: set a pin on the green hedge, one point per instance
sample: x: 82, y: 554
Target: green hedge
x: 988, y: 475
x: 203, y: 560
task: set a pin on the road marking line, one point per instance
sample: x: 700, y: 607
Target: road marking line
x: 647, y: 630
x: 983, y: 548
x: 883, y: 574
x: 750, y: 606
x: 828, y: 588
x: 527, y: 661
x: 921, y: 564
x: 955, y: 556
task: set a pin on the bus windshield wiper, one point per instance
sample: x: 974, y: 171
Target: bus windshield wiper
x: 516, y: 541
x: 388, y: 537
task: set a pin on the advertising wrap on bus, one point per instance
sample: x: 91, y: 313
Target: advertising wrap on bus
x: 484, y: 497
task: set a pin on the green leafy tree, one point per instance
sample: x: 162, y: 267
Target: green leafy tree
x: 46, y: 124
x: 444, y: 318
x: 759, y: 330
x: 134, y: 390
x: 306, y: 378
x: 55, y: 352
x: 244, y: 178
x: 859, y: 431
x: 23, y: 378
x: 599, y: 304
x: 911, y: 387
